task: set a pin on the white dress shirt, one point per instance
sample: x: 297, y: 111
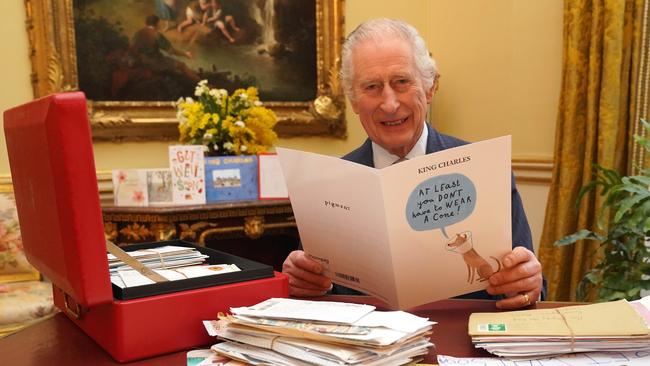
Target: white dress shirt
x: 382, y: 158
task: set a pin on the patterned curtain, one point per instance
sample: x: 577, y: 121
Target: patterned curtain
x: 602, y: 41
x: 639, y: 157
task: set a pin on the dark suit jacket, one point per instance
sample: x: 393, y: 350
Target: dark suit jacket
x: 437, y: 142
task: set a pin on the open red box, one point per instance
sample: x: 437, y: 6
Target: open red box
x: 53, y: 173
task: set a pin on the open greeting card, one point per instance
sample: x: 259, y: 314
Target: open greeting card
x: 426, y: 229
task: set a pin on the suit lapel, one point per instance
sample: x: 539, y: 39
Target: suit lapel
x: 366, y: 157
x: 432, y: 138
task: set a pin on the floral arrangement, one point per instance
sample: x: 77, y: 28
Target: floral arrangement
x: 225, y: 124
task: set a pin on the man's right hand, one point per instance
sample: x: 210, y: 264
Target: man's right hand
x: 305, y: 275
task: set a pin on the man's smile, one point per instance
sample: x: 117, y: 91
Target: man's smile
x: 394, y: 122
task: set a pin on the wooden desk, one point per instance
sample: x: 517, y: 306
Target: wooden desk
x: 57, y: 341
x: 264, y: 231
x: 197, y: 223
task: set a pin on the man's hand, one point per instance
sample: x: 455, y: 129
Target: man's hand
x: 305, y: 275
x: 520, y: 280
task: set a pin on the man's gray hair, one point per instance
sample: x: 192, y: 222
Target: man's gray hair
x: 378, y: 30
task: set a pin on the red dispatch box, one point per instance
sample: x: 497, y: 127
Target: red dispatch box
x: 53, y: 172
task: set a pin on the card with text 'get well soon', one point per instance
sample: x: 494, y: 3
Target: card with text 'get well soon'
x: 186, y: 163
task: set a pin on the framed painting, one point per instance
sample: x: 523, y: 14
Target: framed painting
x: 134, y: 58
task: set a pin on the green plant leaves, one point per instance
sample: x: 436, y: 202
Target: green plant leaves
x: 628, y: 203
x: 580, y: 235
x: 625, y: 267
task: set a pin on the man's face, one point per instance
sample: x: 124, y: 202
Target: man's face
x: 388, y: 94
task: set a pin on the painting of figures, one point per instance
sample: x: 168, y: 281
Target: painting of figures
x: 157, y: 50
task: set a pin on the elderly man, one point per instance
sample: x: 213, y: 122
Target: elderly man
x: 390, y: 79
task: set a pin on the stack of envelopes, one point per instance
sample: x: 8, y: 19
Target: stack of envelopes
x: 171, y: 262
x: 300, y: 332
x: 530, y: 334
x: 168, y: 256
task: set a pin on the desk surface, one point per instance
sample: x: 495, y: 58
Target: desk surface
x: 57, y: 341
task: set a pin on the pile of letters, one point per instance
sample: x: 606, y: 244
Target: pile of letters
x: 605, y: 327
x: 300, y: 332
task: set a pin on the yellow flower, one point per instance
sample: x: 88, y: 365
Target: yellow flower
x: 244, y: 127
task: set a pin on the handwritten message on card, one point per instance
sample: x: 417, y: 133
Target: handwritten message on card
x: 440, y: 201
x: 188, y: 174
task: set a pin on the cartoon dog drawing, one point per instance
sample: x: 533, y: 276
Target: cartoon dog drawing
x: 477, y: 266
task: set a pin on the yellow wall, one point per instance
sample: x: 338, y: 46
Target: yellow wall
x: 499, y: 60
x: 14, y: 65
x: 501, y: 70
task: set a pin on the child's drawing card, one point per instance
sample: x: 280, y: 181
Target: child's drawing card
x: 187, y: 167
x: 231, y: 178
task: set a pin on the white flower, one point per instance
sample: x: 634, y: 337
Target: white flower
x: 243, y: 96
x: 199, y: 91
x: 243, y: 148
x: 240, y: 124
x: 224, y: 92
x: 257, y: 103
x: 215, y: 147
x: 180, y: 116
x: 189, y: 100
x: 203, y: 82
x: 207, y: 136
x: 228, y: 146
x: 214, y: 93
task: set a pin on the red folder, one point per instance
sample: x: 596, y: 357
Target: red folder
x: 53, y: 172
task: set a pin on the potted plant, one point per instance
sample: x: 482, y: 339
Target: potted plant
x: 625, y: 268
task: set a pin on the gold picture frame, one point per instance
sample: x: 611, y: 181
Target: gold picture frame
x: 50, y: 28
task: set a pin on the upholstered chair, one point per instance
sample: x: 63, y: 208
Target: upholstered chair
x: 24, y: 296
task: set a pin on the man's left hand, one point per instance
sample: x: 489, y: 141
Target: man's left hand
x: 520, y: 280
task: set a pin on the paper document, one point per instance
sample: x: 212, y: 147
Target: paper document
x: 429, y: 228
x: 324, y: 311
x: 132, y: 278
x: 293, y: 332
x: 616, y: 326
x: 580, y: 359
x: 616, y: 318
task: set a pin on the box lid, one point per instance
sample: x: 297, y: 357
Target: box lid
x: 53, y: 172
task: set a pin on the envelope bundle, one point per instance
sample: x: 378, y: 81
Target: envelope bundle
x: 611, y: 326
x: 299, y: 332
x: 168, y: 256
x: 171, y: 262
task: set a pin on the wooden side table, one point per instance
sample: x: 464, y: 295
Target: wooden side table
x: 246, y: 228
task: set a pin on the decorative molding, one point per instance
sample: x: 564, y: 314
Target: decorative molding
x: 533, y: 170
x: 533, y: 180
